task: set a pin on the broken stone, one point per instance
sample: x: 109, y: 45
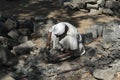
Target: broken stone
x: 100, y: 28
x: 6, y: 56
x: 87, y: 38
x: 14, y: 34
x: 108, y: 4
x: 94, y: 12
x: 22, y: 39
x: 106, y: 74
x: 24, y: 48
x: 108, y: 11
x: 93, y: 30
x: 92, y: 6
x: 101, y: 3
x: 106, y: 45
x: 11, y: 23
x: 3, y: 54
x: 116, y: 5
x: 91, y: 1
x: 111, y: 33
x: 20, y: 66
x: 116, y: 65
x: 3, y: 41
x: 100, y: 10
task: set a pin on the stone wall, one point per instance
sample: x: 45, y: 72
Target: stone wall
x: 110, y: 7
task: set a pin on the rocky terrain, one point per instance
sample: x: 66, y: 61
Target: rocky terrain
x: 22, y: 45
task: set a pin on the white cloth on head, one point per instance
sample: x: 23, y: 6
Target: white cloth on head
x: 58, y: 29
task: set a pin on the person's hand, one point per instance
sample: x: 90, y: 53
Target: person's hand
x: 48, y: 46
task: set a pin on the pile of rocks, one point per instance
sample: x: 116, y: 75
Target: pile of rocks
x: 102, y: 57
x: 102, y: 44
x: 110, y: 7
x: 15, y: 36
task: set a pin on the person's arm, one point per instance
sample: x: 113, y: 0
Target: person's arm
x: 48, y: 40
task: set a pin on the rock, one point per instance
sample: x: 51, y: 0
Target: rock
x: 107, y: 35
x: 22, y: 39
x: 112, y: 23
x: 75, y: 4
x: 116, y: 5
x: 24, y: 48
x: 108, y: 4
x: 92, y: 6
x: 93, y: 12
x: 93, y: 30
x: 7, y: 77
x: 101, y: 3
x: 115, y: 54
x: 100, y: 28
x: 96, y: 11
x: 116, y: 65
x: 108, y: 11
x: 100, y: 10
x: 91, y: 52
x: 91, y: 1
x: 3, y: 41
x: 106, y: 45
x: 11, y: 23
x: 3, y: 54
x: 87, y: 38
x: 106, y: 74
x: 14, y: 34
x: 65, y: 66
x: 20, y: 67
x: 111, y: 33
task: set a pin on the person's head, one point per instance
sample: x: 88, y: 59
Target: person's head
x: 60, y: 29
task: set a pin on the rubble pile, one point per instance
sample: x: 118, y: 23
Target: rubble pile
x: 102, y: 44
x: 94, y: 7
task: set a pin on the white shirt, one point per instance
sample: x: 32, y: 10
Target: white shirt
x: 70, y: 40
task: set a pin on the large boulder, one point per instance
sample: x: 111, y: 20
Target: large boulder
x: 106, y: 74
x: 4, y: 54
x: 24, y: 48
x: 111, y: 32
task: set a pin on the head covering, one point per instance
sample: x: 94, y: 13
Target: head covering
x: 59, y: 28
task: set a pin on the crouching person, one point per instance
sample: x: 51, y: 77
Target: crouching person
x: 65, y: 38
